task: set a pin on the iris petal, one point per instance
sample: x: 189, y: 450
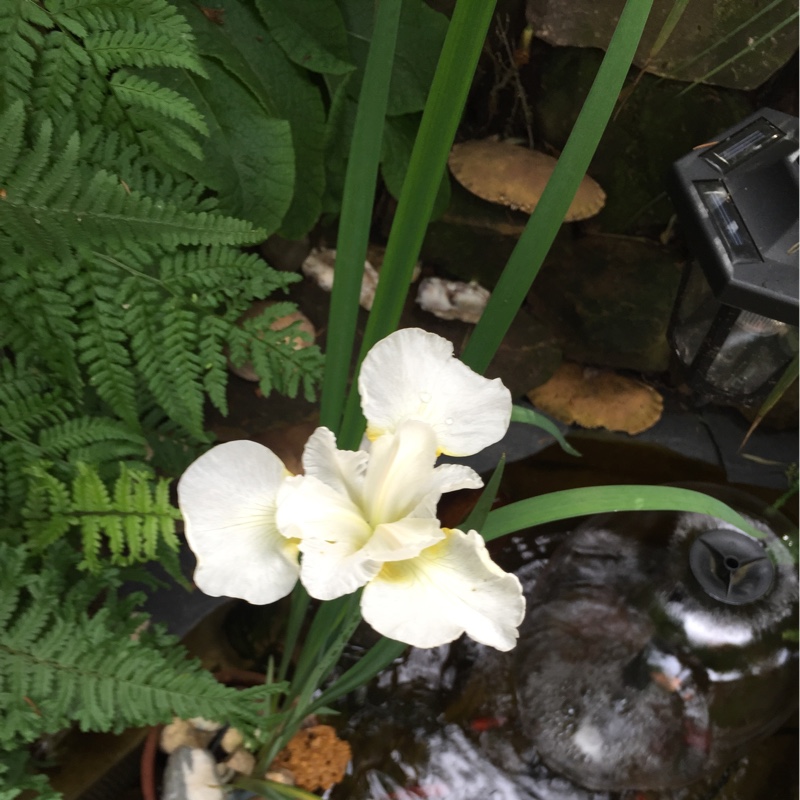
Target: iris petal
x: 342, y: 470
x: 227, y: 498
x: 412, y: 374
x: 451, y: 588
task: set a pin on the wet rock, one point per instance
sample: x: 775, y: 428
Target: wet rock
x: 635, y: 671
x: 191, y: 774
x: 474, y: 238
x: 703, y: 36
x: 609, y: 299
x: 652, y: 128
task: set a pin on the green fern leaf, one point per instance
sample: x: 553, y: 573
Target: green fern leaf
x: 275, y: 360
x: 17, y: 777
x: 61, y: 76
x: 129, y: 522
x: 104, y: 438
x: 37, y: 314
x: 21, y: 26
x: 121, y: 48
x: 134, y: 91
x: 83, y: 16
x: 102, y: 345
x: 163, y: 345
x: 12, y: 126
x: 58, y: 667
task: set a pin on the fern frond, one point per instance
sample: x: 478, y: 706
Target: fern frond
x: 102, y: 344
x: 59, y: 666
x: 164, y: 347
x: 97, y: 440
x: 17, y: 778
x: 12, y: 126
x: 279, y: 366
x: 142, y: 48
x: 21, y: 35
x: 218, y: 274
x: 128, y: 521
x: 60, y: 76
x: 82, y: 16
x: 102, y: 212
x: 211, y: 352
x: 133, y: 91
x: 37, y: 314
x: 28, y: 402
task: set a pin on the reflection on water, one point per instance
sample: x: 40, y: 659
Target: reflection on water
x: 631, y: 678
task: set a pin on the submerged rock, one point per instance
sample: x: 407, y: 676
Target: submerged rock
x: 653, y: 650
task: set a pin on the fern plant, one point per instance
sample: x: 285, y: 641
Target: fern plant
x: 122, y: 284
x: 71, y: 662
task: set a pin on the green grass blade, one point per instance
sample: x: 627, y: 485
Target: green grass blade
x: 601, y: 499
x: 531, y: 417
x: 781, y: 387
x: 451, y: 83
x: 673, y: 18
x: 376, y: 659
x: 297, y: 613
x: 477, y: 517
x: 533, y: 245
x: 356, y: 217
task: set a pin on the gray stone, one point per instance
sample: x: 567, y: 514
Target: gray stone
x: 704, y: 35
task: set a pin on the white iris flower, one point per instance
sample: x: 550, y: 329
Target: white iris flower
x: 367, y: 518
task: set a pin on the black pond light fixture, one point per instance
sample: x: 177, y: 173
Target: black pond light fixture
x: 734, y: 324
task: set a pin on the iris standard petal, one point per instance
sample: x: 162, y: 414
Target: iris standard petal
x: 331, y: 530
x: 310, y: 509
x: 399, y: 473
x: 412, y: 374
x: 227, y: 498
x: 342, y: 470
x: 449, y: 589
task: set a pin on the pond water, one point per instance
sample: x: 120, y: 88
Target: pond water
x: 630, y: 678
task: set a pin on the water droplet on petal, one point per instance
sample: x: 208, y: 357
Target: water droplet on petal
x: 448, y: 421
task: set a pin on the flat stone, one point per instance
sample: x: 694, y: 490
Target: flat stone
x: 704, y: 35
x: 609, y: 299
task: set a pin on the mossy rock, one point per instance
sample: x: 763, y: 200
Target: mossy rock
x: 609, y: 298
x: 709, y: 34
x: 473, y: 239
x: 653, y: 128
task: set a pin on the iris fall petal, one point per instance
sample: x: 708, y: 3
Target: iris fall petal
x: 451, y: 588
x: 227, y: 497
